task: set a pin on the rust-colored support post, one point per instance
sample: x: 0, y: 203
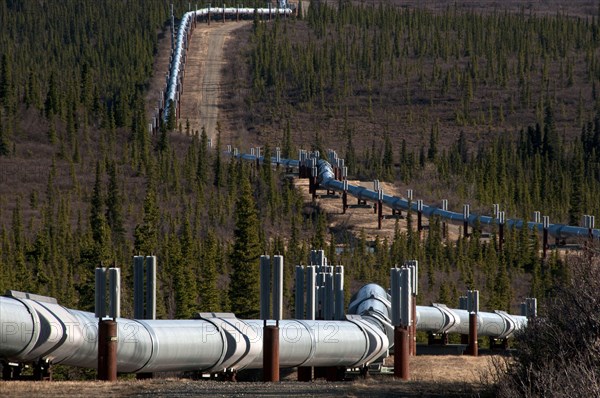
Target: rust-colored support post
x: 379, y: 205
x: 101, y: 351
x: 419, y: 216
x: 545, y: 225
x: 545, y: 243
x: 314, y: 175
x: 379, y: 213
x: 414, y: 325
x: 466, y: 214
x: 305, y: 373
x: 473, y: 348
x: 271, y: 353
x: 107, y: 350
x: 401, y: 344
x: 344, y: 201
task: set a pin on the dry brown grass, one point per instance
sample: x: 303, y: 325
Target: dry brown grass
x: 430, y: 376
x: 359, y: 219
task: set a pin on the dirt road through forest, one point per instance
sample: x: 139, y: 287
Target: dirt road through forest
x: 202, y: 82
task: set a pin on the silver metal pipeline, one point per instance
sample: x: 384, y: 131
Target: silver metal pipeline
x: 327, y: 180
x: 179, y: 50
x: 34, y: 327
x: 373, y: 300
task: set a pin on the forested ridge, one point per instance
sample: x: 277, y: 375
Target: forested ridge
x: 505, y: 103
x: 83, y: 183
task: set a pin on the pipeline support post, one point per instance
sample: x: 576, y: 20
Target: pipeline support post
x: 444, y: 225
x: 473, y: 308
x: 501, y: 221
x: 401, y: 354
x: 401, y: 311
x: 379, y: 208
x: 546, y: 225
x: 473, y: 348
x: 271, y: 332
x: 419, y: 215
x: 466, y: 214
x: 271, y: 353
x: 107, y: 350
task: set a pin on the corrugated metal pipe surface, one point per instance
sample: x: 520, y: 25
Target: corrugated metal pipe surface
x: 33, y: 329
x: 373, y: 303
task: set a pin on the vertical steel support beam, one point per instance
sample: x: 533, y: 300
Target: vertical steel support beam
x: 339, y: 292
x: 107, y: 350
x: 473, y: 348
x: 345, y: 196
x: 100, y: 293
x: 444, y: 224
x: 379, y: 207
x: 114, y: 293
x: 419, y: 216
x: 315, y: 182
x: 500, y: 218
x: 277, y: 287
x: 328, y: 303
x: 310, y: 292
x: 271, y: 354
x: 401, y: 343
x: 466, y: 214
x: 413, y: 341
x: 546, y: 225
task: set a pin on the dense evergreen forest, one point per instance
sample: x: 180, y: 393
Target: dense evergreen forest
x: 83, y: 184
x: 504, y: 103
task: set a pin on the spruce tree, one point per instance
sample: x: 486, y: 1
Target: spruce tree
x: 146, y: 233
x: 243, y: 287
x: 209, y: 295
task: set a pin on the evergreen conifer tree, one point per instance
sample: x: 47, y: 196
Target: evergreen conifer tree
x: 243, y: 286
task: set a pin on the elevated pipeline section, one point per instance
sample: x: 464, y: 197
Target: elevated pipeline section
x: 36, y: 327
x: 180, y: 45
x: 372, y: 301
x: 326, y: 179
